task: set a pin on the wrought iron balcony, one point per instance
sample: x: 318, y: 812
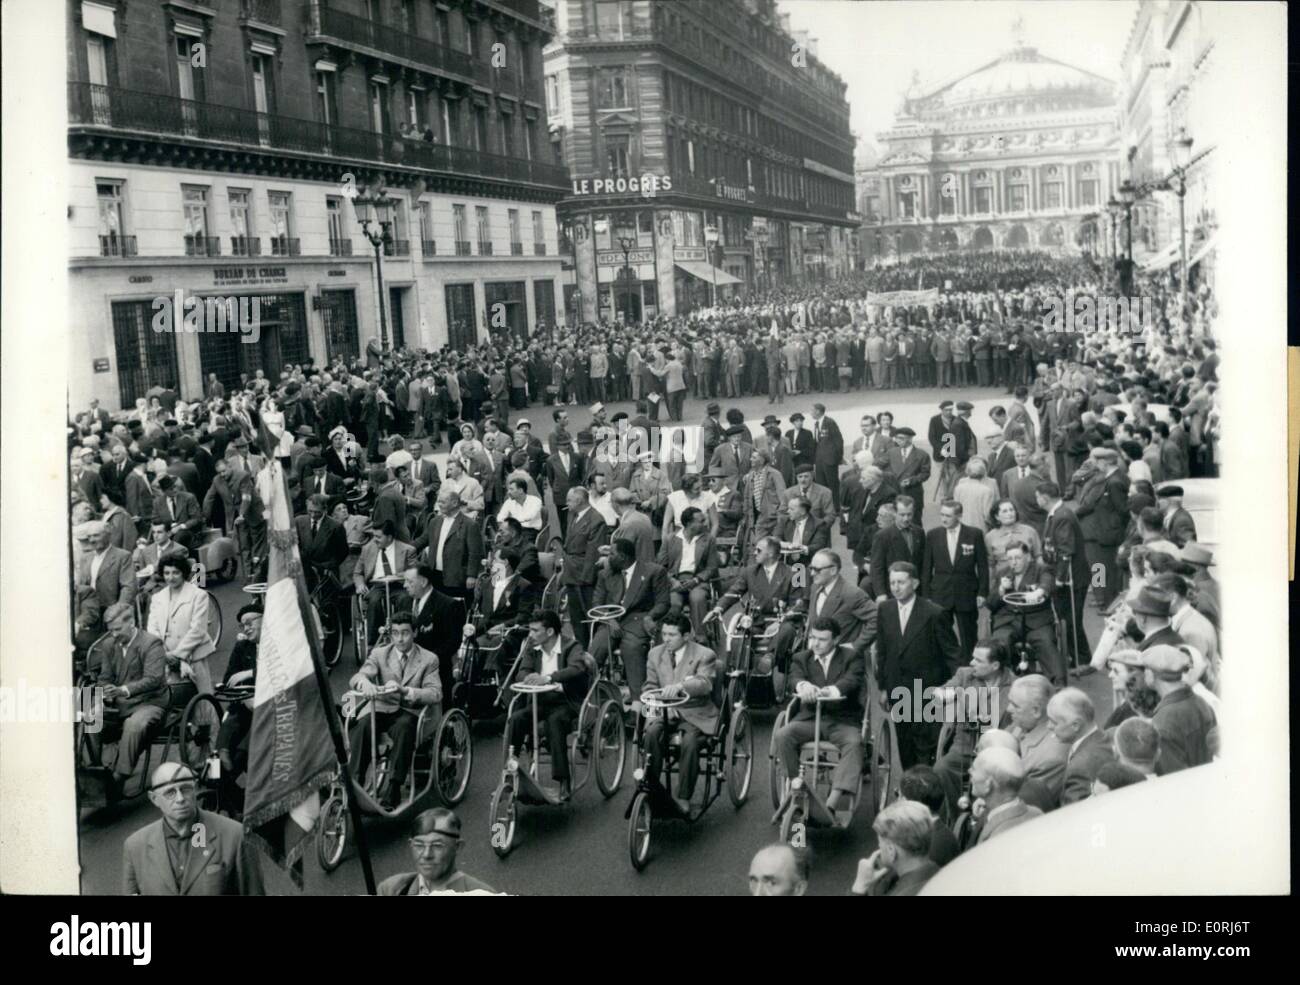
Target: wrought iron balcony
x: 245, y: 246
x: 326, y: 22
x: 340, y: 247
x: 485, y: 247
x: 285, y: 246
x: 428, y: 247
x: 130, y: 111
x: 202, y: 246
x: 539, y: 249
x: 265, y: 11
x: 397, y: 248
x: 516, y: 249
x: 117, y: 246
x: 462, y: 248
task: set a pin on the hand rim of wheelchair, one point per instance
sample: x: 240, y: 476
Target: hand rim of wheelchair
x: 519, y: 687
x: 234, y: 692
x: 773, y: 627
x: 256, y: 588
x: 1020, y: 600
x: 605, y: 613
x: 655, y: 701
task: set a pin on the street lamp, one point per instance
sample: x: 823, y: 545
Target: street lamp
x: 1128, y: 195
x: 379, y: 231
x: 710, y: 240
x: 1182, y: 150
x: 627, y: 240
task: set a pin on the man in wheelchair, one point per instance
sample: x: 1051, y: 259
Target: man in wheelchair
x: 400, y: 678
x: 383, y: 557
x: 133, y: 675
x: 833, y: 671
x: 680, y: 666
x: 1034, y: 624
x: 237, y: 723
x: 550, y: 658
x: 504, y: 604
x: 767, y: 581
x: 691, y: 560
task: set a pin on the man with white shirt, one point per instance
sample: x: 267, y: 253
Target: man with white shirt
x: 601, y: 499
x: 1071, y: 716
x: 633, y: 525
x: 1190, y: 624
x: 550, y: 658
x: 437, y: 619
x: 107, y: 575
x: 691, y: 560
x: 523, y: 507
x: 837, y: 672
x: 466, y: 487
x: 383, y: 560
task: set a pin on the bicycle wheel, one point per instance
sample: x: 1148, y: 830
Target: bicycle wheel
x: 197, y: 739
x: 214, y: 618
x: 639, y: 831
x: 740, y: 758
x: 332, y: 834
x: 610, y: 747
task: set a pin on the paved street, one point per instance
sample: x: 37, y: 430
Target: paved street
x: 582, y: 849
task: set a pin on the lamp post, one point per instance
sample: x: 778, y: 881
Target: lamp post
x: 1182, y: 149
x: 1128, y: 194
x: 710, y: 240
x: 379, y: 231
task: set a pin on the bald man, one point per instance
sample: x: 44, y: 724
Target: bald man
x: 778, y: 870
x: 188, y: 852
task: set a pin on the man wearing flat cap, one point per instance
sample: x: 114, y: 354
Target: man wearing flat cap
x: 1199, y: 558
x: 1179, y: 524
x: 801, y: 440
x: 908, y: 466
x: 1185, y: 723
x: 435, y: 844
x: 731, y: 456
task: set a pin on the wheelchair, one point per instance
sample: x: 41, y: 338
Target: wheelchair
x: 726, y: 759
x: 327, y: 599
x: 754, y: 683
x: 440, y: 766
x: 479, y: 693
x: 965, y: 826
x: 218, y: 554
x: 555, y: 596
x: 187, y: 731
x: 361, y: 619
x: 801, y: 802
x: 612, y: 673
x: 1025, y: 658
x: 597, y: 746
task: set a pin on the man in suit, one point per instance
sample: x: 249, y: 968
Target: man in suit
x: 139, y: 494
x: 133, y: 677
x: 691, y: 559
x: 454, y: 547
x: 1018, y: 416
x: 113, y: 474
x: 1002, y: 459
x: 1023, y: 481
x: 1060, y: 420
x: 633, y: 525
x: 733, y: 455
x: 1043, y: 753
x: 178, y: 508
x: 583, y: 540
x: 827, y: 453
x: 872, y: 441
x: 564, y: 469
x: 1102, y: 510
x: 996, y: 777
x: 1036, y: 623
x: 949, y: 447
x: 821, y: 503
x: 1071, y: 716
x: 86, y: 480
x: 188, y: 852
x: 680, y: 667
x: 438, y: 620
x: 803, y: 529
x: 390, y: 503
x: 1185, y: 723
x: 641, y: 588
x: 320, y: 480
x: 955, y: 572
x: 1178, y: 525
x: 550, y: 658
x: 903, y: 541
x: 801, y: 441
x: 1064, y: 550
x: 383, y: 560
x: 107, y: 576
x: 765, y: 582
x: 322, y: 541
x: 909, y: 467
x: 833, y: 670
x: 435, y: 844
x: 762, y: 494
x: 915, y: 648
x: 863, y: 495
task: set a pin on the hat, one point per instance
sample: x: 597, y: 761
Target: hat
x: 905, y: 432
x: 166, y: 481
x: 304, y: 430
x: 399, y: 460
x: 597, y: 407
x: 771, y: 420
x: 1166, y: 491
x: 1167, y: 661
x: 713, y: 408
x: 736, y: 429
x: 523, y: 422
x: 803, y: 467
x: 945, y: 404
x: 796, y: 416
x: 965, y: 405
x: 1194, y: 553
x: 1152, y: 603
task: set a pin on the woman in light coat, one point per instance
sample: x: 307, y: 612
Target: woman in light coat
x: 178, y: 615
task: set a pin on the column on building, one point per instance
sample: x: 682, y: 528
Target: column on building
x: 586, y: 268
x: 665, y: 242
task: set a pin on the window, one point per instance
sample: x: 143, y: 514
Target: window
x: 281, y: 206
x: 379, y: 107
x: 441, y: 27
x: 450, y: 132
x: 907, y: 204
x: 552, y: 95
x: 112, y: 239
x: 471, y: 42
x: 408, y: 16
x: 613, y: 19
x: 413, y: 109
x: 480, y: 130
x: 374, y: 10
x: 530, y: 139
x: 326, y: 108
x: 426, y: 228
x: 461, y: 227
x: 241, y: 223
x: 508, y: 134
x: 185, y: 74
x: 516, y: 243
x: 984, y: 199
x: 539, y: 230
x: 690, y: 156
x: 194, y: 200
x: 340, y: 241
x: 1051, y: 195
x: 1087, y: 193
x: 97, y: 59
x: 612, y: 89
x: 1017, y: 196
x: 484, y: 230
x: 616, y: 155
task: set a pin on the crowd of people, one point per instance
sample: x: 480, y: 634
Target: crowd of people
x: 1065, y: 498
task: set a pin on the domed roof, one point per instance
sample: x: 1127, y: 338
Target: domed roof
x: 1020, y: 71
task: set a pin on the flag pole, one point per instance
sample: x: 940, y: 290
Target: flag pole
x: 323, y: 688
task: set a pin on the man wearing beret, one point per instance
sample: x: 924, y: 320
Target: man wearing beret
x: 908, y: 466
x: 1179, y: 524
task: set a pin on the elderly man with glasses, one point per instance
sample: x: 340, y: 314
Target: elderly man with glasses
x: 435, y: 843
x: 188, y: 851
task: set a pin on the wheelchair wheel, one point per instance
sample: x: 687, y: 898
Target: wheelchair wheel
x: 332, y: 833
x: 360, y: 630
x: 197, y: 738
x: 882, y: 769
x: 504, y: 815
x: 791, y: 822
x: 214, y: 619
x: 453, y: 757
x: 609, y: 747
x: 331, y: 634
x: 775, y: 775
x: 740, y: 758
x: 638, y: 831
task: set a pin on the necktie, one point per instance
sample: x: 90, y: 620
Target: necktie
x: 315, y: 528
x: 383, y: 558
x: 171, y: 508
x: 1024, y: 472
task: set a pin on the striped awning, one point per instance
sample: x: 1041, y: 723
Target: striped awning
x: 707, y: 272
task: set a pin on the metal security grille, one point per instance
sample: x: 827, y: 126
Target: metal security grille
x: 461, y: 333
x: 339, y: 314
x: 282, y: 340
x: 507, y: 298
x: 396, y: 318
x: 145, y: 358
x: 544, y: 301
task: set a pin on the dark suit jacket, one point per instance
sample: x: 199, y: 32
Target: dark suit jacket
x: 706, y: 557
x: 515, y: 607
x: 863, y: 505
x: 333, y: 486
x: 647, y: 593
x: 829, y: 450
x: 439, y: 625
x: 141, y: 668
x: 889, y: 546
x: 1005, y: 459
x: 1037, y: 575
x: 573, y: 672
x: 803, y: 444
x: 1022, y: 493
x: 927, y: 651
x: 91, y: 486
x: 224, y: 865
x: 1081, y: 767
x: 753, y: 582
x: 816, y: 534
x: 328, y: 549
x: 910, y: 472
x: 849, y: 607
x: 561, y: 481
x: 390, y: 504
x: 847, y: 671
x: 1102, y: 509
x: 187, y: 510
x: 1063, y: 536
x: 462, y: 555
x: 582, y: 543
x: 955, y: 586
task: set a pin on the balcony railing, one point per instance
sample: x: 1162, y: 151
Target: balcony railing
x: 397, y: 248
x: 117, y: 246
x: 329, y: 22
x: 462, y: 248
x: 340, y: 247
x: 485, y: 247
x: 266, y: 11
x: 516, y: 249
x: 428, y: 247
x: 285, y: 246
x: 539, y: 249
x: 202, y: 246
x: 245, y: 246
x: 124, y: 109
